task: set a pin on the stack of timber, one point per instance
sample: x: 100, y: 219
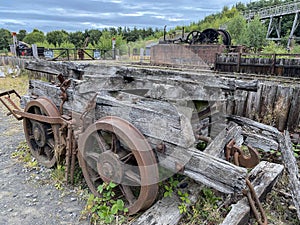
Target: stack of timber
x: 162, y: 104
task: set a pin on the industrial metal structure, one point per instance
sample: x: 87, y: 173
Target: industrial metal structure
x: 275, y: 14
x: 207, y: 36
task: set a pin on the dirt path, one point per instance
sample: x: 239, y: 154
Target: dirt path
x: 26, y: 196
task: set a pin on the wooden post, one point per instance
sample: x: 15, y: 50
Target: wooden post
x: 238, y: 66
x: 273, y: 65
x: 216, y: 61
x: 294, y: 116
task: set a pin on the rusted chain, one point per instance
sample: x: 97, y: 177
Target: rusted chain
x: 234, y: 151
x: 254, y: 201
x: 236, y: 158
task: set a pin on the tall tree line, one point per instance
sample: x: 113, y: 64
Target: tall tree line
x: 57, y: 37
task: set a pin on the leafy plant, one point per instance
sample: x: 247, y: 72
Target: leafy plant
x: 106, y: 209
x: 206, y: 210
x: 185, y: 201
x: 296, y: 149
x: 58, y: 176
x: 170, y: 186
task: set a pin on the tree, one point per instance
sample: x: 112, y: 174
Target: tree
x: 77, y: 38
x: 236, y: 27
x: 34, y: 37
x: 256, y: 34
x: 57, y: 37
x: 113, y: 31
x: 105, y: 41
x: 240, y: 6
x: 94, y: 36
x: 5, y: 39
x: 133, y: 35
x: 21, y: 35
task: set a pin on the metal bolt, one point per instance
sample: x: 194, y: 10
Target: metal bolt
x: 161, y: 147
x: 179, y: 167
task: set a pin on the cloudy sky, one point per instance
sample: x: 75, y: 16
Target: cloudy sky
x: 79, y: 15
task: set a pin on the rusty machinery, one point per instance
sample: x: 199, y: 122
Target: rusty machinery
x: 207, y: 36
x: 126, y: 156
x: 108, y: 149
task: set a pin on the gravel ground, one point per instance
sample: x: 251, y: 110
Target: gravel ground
x: 27, y: 196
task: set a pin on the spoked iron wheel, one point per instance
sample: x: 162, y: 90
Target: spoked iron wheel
x: 114, y: 150
x: 211, y: 35
x: 226, y: 38
x: 42, y: 137
x: 195, y: 37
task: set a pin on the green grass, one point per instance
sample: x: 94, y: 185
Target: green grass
x: 20, y: 84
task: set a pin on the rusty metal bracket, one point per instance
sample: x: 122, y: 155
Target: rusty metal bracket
x: 234, y: 152
x: 64, y: 85
x: 40, y: 118
x: 9, y: 103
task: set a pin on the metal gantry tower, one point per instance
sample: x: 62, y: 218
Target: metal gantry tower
x: 275, y: 15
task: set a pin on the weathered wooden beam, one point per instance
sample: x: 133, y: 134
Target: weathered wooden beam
x: 282, y: 106
x: 291, y: 166
x: 256, y: 127
x: 204, y: 86
x: 264, y: 176
x: 67, y: 69
x: 256, y: 134
x: 260, y: 141
x: 294, y: 115
x: 215, y: 172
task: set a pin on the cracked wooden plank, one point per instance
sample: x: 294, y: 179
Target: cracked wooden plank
x: 292, y: 168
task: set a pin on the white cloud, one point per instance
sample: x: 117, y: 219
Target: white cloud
x: 12, y: 21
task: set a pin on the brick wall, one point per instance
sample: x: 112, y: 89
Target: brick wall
x: 176, y: 54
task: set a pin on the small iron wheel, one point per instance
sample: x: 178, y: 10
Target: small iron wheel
x: 112, y: 149
x: 41, y: 137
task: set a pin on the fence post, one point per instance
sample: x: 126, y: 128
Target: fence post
x: 238, y: 62
x: 273, y: 64
x: 34, y: 51
x: 216, y: 61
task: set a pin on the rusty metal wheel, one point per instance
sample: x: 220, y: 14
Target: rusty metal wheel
x: 42, y: 137
x: 112, y: 149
